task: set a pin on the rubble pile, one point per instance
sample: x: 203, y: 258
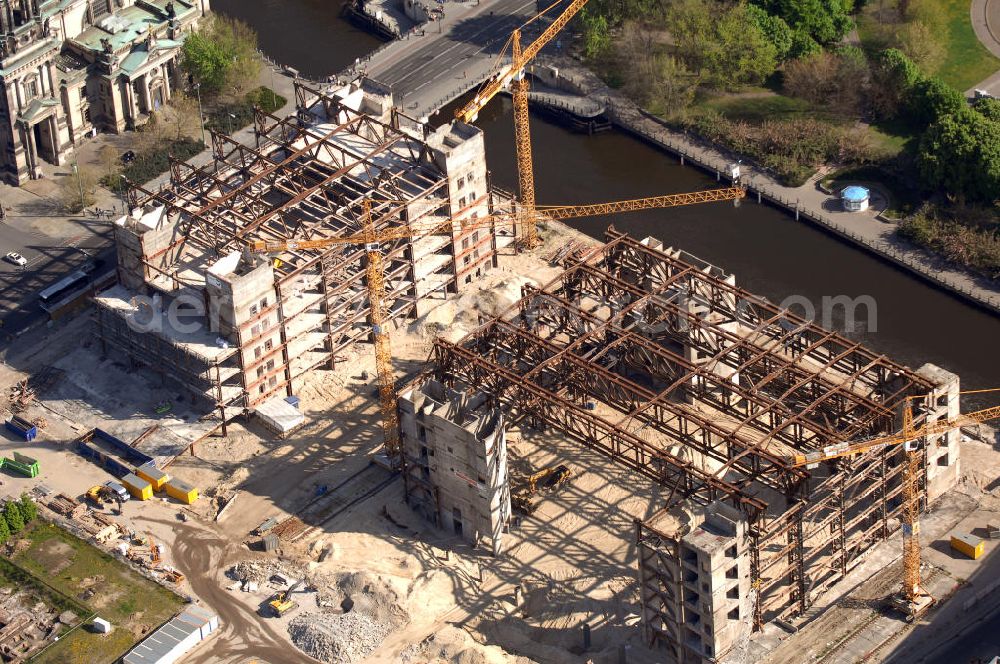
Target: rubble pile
x: 259, y: 571
x: 337, y: 639
x: 359, y: 612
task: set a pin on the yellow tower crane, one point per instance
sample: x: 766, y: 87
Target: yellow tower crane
x: 914, y: 598
x: 375, y: 273
x: 512, y: 76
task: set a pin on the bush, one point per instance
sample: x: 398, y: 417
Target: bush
x: 12, y: 515
x: 792, y: 148
x: 153, y: 161
x: 28, y: 508
x: 968, y: 236
x: 220, y: 118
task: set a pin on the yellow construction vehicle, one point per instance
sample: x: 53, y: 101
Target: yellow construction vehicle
x: 371, y: 240
x: 98, y: 494
x: 280, y: 604
x: 913, y: 599
x: 552, y: 478
x: 512, y: 76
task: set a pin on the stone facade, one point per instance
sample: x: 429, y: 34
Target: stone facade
x: 456, y: 456
x: 70, y: 68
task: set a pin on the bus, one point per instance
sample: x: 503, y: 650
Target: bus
x: 66, y: 289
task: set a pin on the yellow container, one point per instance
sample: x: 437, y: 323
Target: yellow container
x: 138, y: 487
x: 967, y: 544
x: 181, y: 491
x: 153, y: 475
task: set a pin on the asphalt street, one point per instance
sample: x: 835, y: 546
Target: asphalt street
x: 440, y: 63
x: 49, y: 260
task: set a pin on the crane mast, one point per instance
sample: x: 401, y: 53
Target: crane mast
x: 513, y: 76
x: 915, y: 599
x: 371, y: 240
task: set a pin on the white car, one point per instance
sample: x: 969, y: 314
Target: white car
x: 16, y: 259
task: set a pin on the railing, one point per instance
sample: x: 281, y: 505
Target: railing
x: 912, y: 259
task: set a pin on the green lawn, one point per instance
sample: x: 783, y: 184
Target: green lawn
x: 757, y: 106
x: 967, y: 61
x: 130, y: 602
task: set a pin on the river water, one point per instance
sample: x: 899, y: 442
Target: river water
x: 769, y: 252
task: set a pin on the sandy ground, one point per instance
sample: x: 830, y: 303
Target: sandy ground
x: 573, y: 559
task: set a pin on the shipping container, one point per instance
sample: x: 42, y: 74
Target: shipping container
x: 181, y: 491
x: 153, y: 475
x: 967, y: 544
x: 138, y: 487
x: 22, y: 464
x: 22, y: 428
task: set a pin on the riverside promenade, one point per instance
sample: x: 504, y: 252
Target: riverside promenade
x: 808, y: 203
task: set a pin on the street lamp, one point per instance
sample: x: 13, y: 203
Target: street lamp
x: 229, y: 123
x: 201, y: 117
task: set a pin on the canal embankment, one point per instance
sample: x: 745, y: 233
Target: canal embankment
x: 809, y: 202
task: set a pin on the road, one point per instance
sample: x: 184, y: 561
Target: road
x: 440, y: 61
x: 49, y: 259
x: 201, y: 556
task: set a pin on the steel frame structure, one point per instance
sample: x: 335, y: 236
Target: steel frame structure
x: 306, y: 177
x: 632, y: 346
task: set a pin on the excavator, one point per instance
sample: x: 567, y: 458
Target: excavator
x: 280, y: 604
x: 552, y: 478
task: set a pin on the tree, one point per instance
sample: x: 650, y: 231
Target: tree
x: 724, y: 45
x: 76, y: 189
x: 205, y: 59
x: 921, y: 45
x: 960, y: 155
x: 28, y: 508
x: 931, y: 98
x: 596, y: 34
x: 833, y: 81
x: 222, y: 57
x: 4, y: 531
x: 893, y: 76
x: 774, y: 28
x: 12, y: 515
x: 181, y: 118
x: 988, y: 108
x: 111, y: 165
x: 826, y: 21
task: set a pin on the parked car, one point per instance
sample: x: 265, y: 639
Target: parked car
x: 118, y: 489
x: 16, y: 258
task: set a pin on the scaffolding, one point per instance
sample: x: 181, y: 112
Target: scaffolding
x: 637, y: 351
x: 307, y: 177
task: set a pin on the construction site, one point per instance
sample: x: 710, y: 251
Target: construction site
x: 431, y: 422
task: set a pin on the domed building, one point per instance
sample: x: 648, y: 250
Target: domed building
x: 855, y: 198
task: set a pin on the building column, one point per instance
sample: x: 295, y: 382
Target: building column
x: 146, y: 99
x: 53, y: 121
x: 167, y: 92
x: 29, y: 146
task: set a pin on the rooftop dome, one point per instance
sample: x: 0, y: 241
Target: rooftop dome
x: 854, y: 194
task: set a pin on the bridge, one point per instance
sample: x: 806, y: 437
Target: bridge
x: 437, y: 62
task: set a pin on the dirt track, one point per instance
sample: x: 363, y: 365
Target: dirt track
x: 202, y: 557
